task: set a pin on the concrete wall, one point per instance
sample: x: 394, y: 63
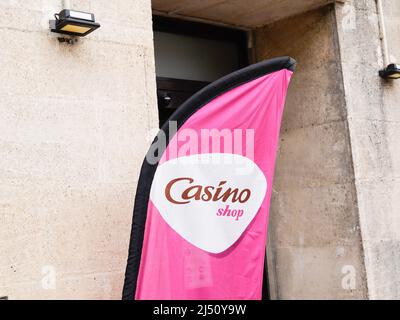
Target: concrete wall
x: 237, y: 12
x: 74, y: 122
x: 315, y: 243
x: 374, y: 122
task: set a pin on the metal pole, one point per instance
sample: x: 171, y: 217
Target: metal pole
x: 382, y: 33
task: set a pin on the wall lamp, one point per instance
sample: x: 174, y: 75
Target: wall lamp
x: 392, y: 71
x: 73, y: 23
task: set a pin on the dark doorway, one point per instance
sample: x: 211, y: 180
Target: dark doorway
x: 189, y: 55
x: 171, y: 93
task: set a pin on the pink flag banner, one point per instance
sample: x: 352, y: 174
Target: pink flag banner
x: 201, y: 210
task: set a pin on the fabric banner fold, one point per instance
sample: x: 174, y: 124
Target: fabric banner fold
x: 202, y: 202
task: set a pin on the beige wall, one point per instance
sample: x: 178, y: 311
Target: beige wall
x: 314, y: 231
x: 74, y: 123
x: 337, y: 189
x: 374, y: 122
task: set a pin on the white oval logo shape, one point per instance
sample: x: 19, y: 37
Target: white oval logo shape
x: 209, y: 199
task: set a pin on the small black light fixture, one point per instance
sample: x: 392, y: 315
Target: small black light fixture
x: 74, y: 23
x: 392, y: 71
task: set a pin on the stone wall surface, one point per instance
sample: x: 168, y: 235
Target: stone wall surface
x: 374, y: 123
x: 75, y: 123
x: 314, y: 235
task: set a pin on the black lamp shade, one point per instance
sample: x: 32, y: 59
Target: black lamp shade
x: 74, y: 23
x: 392, y: 71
